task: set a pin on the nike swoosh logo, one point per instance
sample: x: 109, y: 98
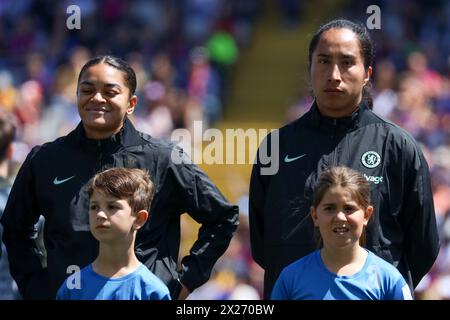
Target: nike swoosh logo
x: 287, y: 159
x: 56, y: 181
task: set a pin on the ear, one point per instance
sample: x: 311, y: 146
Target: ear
x: 368, y: 215
x: 132, y: 104
x: 313, y: 213
x: 141, y: 218
x: 368, y: 75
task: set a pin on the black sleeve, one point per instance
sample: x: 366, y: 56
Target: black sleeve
x: 19, y: 233
x: 421, y: 235
x: 259, y: 181
x: 218, y: 218
x: 257, y: 194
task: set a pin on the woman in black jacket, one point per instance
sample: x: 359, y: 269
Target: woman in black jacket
x: 340, y: 129
x: 52, y: 183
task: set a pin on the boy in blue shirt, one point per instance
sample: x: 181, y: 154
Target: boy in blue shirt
x: 119, y: 199
x: 342, y: 269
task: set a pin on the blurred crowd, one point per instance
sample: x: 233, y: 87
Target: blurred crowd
x: 183, y: 52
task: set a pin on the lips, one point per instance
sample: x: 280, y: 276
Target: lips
x: 96, y: 110
x: 101, y: 227
x: 333, y: 90
x: 341, y: 230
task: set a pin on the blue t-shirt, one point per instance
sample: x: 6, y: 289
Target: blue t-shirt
x: 309, y: 279
x: 141, y: 284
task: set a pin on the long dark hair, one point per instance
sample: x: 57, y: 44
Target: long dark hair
x: 364, y: 40
x: 115, y: 62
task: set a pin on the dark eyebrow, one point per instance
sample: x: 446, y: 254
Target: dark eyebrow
x: 108, y: 202
x: 328, y: 204
x: 107, y: 85
x: 348, y: 56
x: 344, y: 56
x: 113, y: 85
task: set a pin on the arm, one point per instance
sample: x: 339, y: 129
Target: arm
x: 267, y: 159
x: 218, y: 218
x: 19, y: 233
x: 400, y: 291
x: 421, y: 241
x: 256, y: 215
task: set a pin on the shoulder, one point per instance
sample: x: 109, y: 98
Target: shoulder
x: 155, y: 288
x: 383, y: 267
x: 164, y: 150
x: 395, y: 131
x: 299, y: 124
x: 149, y: 277
x: 386, y: 277
x: 47, y: 150
x: 290, y: 128
x: 394, y: 138
x: 160, y: 144
x: 303, y: 264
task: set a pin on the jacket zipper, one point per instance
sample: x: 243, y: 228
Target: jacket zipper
x: 333, y: 134
x: 100, y: 157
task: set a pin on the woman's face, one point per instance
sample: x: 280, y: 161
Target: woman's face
x: 103, y: 100
x: 337, y: 72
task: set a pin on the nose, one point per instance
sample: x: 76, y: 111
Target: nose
x: 100, y: 215
x: 340, y: 216
x: 335, y: 75
x: 98, y: 97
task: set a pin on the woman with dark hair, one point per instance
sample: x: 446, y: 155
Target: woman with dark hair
x: 52, y: 182
x: 340, y: 129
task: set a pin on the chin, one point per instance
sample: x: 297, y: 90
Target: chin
x: 96, y: 125
x: 90, y: 118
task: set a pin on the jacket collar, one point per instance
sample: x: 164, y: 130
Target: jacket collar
x: 345, y: 123
x: 127, y: 136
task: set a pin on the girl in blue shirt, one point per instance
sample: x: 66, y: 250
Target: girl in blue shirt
x: 342, y: 269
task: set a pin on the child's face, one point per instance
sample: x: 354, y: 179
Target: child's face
x: 340, y: 219
x: 110, y: 218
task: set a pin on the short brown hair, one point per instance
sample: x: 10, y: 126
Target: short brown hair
x: 134, y: 185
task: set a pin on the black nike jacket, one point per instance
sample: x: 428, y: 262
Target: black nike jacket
x: 403, y: 228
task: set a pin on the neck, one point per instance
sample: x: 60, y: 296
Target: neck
x: 96, y: 134
x: 99, y: 135
x: 337, y: 112
x: 344, y: 261
x: 115, y: 260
